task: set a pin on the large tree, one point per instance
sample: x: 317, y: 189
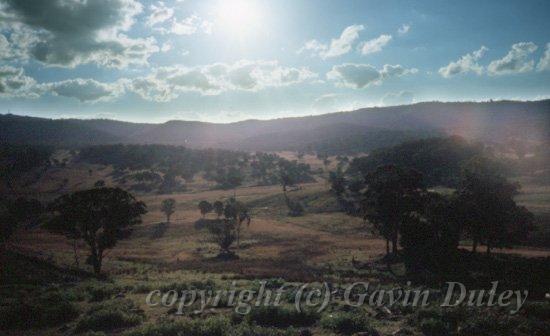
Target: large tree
x: 489, y: 212
x: 236, y: 212
x: 168, y: 206
x: 391, y: 195
x: 100, y: 217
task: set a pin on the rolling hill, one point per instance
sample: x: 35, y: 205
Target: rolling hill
x: 366, y: 128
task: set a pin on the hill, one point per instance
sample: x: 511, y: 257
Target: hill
x: 358, y: 130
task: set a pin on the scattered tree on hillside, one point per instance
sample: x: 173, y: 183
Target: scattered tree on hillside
x: 168, y: 206
x: 291, y: 173
x: 100, y: 217
x: 391, y: 196
x: 218, y: 208
x: 490, y: 214
x: 205, y: 207
x: 236, y: 212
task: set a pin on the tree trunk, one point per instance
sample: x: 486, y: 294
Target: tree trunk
x: 474, y: 246
x: 96, y: 261
x: 488, y: 248
x: 387, y: 247
x: 75, y: 250
x: 168, y: 218
x: 394, y: 244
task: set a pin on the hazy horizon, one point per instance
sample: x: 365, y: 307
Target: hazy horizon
x: 223, y: 61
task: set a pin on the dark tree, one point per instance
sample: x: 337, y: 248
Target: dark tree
x: 392, y: 194
x: 218, y: 208
x: 236, y: 212
x: 205, y: 207
x: 168, y: 206
x: 100, y: 217
x: 489, y: 212
x: 224, y: 234
x: 431, y: 236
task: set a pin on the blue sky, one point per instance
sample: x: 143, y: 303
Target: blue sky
x: 224, y: 60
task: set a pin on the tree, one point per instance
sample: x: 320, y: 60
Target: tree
x: 100, y: 217
x: 236, y: 212
x: 223, y: 233
x: 168, y: 206
x: 489, y: 212
x: 430, y: 237
x: 205, y: 207
x: 290, y: 173
x: 218, y: 208
x: 392, y: 194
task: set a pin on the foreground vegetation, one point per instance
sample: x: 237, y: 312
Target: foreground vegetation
x: 213, y: 236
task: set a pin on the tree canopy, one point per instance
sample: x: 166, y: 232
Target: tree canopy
x: 99, y: 216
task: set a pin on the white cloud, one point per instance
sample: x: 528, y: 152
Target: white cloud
x: 68, y: 33
x: 339, y: 46
x: 398, y: 98
x: 466, y: 63
x: 159, y: 13
x: 86, y: 90
x: 187, y: 26
x: 14, y: 83
x: 544, y: 62
x: 404, y: 29
x: 515, y: 61
x: 358, y: 76
x: 167, y: 83
x: 166, y: 47
x: 375, y: 45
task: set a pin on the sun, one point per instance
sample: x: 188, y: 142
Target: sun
x: 240, y: 17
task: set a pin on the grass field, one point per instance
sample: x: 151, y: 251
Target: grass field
x: 322, y: 245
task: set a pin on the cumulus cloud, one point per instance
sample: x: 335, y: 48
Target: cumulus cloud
x: 404, y: 29
x: 397, y: 98
x: 67, y: 32
x: 375, y: 45
x: 358, y: 76
x: 186, y: 26
x: 516, y: 61
x: 466, y: 63
x: 166, y: 83
x: 159, y: 13
x: 544, y: 62
x: 86, y: 90
x: 15, y: 84
x: 337, y: 47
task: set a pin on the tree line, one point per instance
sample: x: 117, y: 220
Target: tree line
x: 429, y: 225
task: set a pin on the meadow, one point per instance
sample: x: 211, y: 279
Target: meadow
x: 42, y: 281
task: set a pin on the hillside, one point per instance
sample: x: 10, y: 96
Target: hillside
x: 489, y: 121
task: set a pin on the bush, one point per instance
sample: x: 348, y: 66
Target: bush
x: 47, y: 310
x: 110, y: 315
x: 281, y: 317
x: 434, y: 327
x: 212, y: 326
x: 100, y: 291
x: 347, y: 323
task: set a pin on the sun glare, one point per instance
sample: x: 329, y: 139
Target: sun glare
x: 239, y: 16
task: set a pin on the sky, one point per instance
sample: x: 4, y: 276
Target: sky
x: 229, y: 60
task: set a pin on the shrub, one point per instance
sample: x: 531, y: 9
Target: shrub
x: 347, y: 323
x: 99, y: 291
x: 47, y: 310
x: 270, y: 316
x: 212, y: 326
x: 434, y: 327
x: 110, y: 315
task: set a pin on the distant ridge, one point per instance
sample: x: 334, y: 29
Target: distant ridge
x: 489, y: 121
